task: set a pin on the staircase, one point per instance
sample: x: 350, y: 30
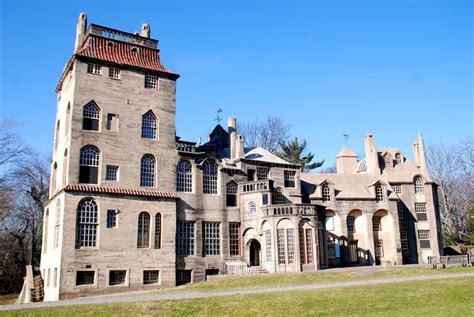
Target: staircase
x: 242, y: 268
x: 32, y: 290
x: 37, y: 293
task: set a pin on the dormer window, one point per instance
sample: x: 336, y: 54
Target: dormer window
x: 379, y: 193
x: 326, y: 193
x: 398, y: 158
x: 93, y: 69
x: 388, y: 161
x: 418, y: 185
x: 290, y: 178
x: 151, y: 82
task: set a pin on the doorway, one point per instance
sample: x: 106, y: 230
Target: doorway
x: 254, y: 255
x: 353, y: 249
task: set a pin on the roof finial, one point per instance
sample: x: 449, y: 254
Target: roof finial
x: 218, y: 118
x: 346, y: 137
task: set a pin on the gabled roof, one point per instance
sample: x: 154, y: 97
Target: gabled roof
x: 262, y: 155
x: 346, y: 152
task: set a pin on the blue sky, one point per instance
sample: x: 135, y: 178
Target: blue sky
x: 393, y: 68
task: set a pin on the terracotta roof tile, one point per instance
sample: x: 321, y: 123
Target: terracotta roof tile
x: 119, y: 191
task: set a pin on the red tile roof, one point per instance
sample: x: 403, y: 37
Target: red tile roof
x: 119, y: 191
x: 122, y: 53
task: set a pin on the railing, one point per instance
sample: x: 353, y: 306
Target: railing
x: 242, y: 268
x: 255, y: 186
x: 444, y: 261
x: 186, y: 147
x: 122, y: 36
x: 289, y: 209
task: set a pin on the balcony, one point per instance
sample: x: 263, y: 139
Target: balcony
x: 255, y: 186
x: 290, y: 209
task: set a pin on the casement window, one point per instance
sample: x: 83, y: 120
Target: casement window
x: 89, y: 165
x: 418, y: 185
x: 252, y: 208
x: 211, y: 238
x: 209, y: 178
x: 185, y: 238
x: 379, y: 195
x: 378, y: 248
x: 326, y: 193
x: 424, y: 236
x: 151, y: 276
x: 91, y: 117
x: 262, y: 173
x: 289, y: 177
x: 111, y: 173
x: 117, y: 277
x: 279, y: 198
x: 286, y: 246
x: 143, y: 236
x: 94, y: 69
x: 351, y: 225
x: 147, y: 171
x: 149, y: 125
x: 85, y: 277
x: 376, y: 224
x: 158, y: 231
x: 184, y: 177
x: 231, y: 194
x: 234, y: 239
x: 86, y: 223
x: 420, y: 210
x: 151, y: 82
x: 111, y: 218
x: 306, y: 245
x: 267, y: 236
x: 397, y: 188
x: 114, y: 73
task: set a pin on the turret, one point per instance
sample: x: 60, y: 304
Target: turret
x: 80, y: 30
x: 371, y: 156
x: 346, y: 161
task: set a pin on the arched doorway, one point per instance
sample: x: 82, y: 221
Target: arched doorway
x: 254, y: 253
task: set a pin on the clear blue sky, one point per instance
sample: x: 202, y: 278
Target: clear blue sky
x: 328, y: 68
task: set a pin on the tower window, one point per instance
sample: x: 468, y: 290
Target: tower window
x: 184, y: 177
x: 388, y: 161
x: 89, y: 165
x: 379, y: 193
x: 93, y: 69
x: 111, y: 173
x: 149, y: 126
x: 424, y: 237
x: 111, y: 218
x: 231, y: 194
x: 147, y: 171
x: 418, y: 185
x: 114, y: 73
x: 143, y: 239
x: 90, y: 117
x: 86, y: 223
x: 158, y: 231
x: 151, y: 82
x: 420, y: 210
x: 209, y: 178
x: 290, y: 178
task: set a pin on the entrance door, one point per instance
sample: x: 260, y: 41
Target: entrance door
x: 254, y: 253
x: 353, y: 248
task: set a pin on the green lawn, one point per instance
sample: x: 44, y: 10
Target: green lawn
x: 450, y: 297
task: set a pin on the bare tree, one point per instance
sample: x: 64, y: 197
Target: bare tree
x: 268, y: 133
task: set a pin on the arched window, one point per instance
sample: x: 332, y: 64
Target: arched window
x: 231, y: 194
x: 147, y: 171
x: 64, y: 172
x: 149, y: 126
x: 56, y: 141
x: 68, y: 118
x: 91, y: 117
x: 326, y: 193
x: 279, y: 198
x: 86, y: 223
x: 54, y: 175
x: 45, y: 231
x: 378, y: 193
x: 387, y: 161
x: 362, y: 166
x: 252, y: 208
x: 418, y: 185
x: 143, y: 239
x: 89, y: 165
x: 158, y: 231
x: 351, y: 224
x: 57, y: 220
x: 209, y: 178
x: 398, y: 158
x: 184, y: 177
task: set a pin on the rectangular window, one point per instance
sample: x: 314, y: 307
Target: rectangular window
x: 281, y: 246
x: 268, y: 245
x: 378, y: 248
x: 290, y: 235
x: 289, y: 178
x: 329, y: 223
x: 331, y: 248
x: 424, y: 236
x: 111, y: 173
x: 151, y: 82
x: 93, y: 69
x: 234, y: 238
x: 85, y: 277
x: 111, y: 218
x: 185, y: 238
x: 350, y: 224
x: 420, y: 210
x: 400, y: 210
x: 117, y: 277
x: 211, y: 238
x: 404, y: 239
x: 251, y: 175
x: 262, y: 173
x: 112, y: 121
x: 376, y: 224
x: 114, y: 73
x: 397, y: 188
x: 151, y: 276
x: 88, y: 174
x: 183, y: 277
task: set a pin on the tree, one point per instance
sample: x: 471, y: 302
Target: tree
x: 293, y: 151
x: 267, y: 133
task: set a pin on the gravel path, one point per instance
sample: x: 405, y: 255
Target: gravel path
x: 145, y: 298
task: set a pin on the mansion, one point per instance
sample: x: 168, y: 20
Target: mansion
x: 133, y: 206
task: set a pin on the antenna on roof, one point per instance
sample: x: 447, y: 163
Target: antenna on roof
x: 346, y: 137
x: 218, y: 119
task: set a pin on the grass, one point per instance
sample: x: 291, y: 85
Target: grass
x: 449, y: 297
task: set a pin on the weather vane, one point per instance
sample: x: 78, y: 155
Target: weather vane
x: 219, y: 119
x: 346, y: 137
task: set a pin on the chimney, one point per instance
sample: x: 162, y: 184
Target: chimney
x: 240, y: 147
x: 371, y: 156
x: 232, y: 126
x: 416, y: 157
x: 80, y: 30
x: 145, y: 32
x: 422, y: 156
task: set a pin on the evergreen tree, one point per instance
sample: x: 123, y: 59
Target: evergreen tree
x: 293, y: 151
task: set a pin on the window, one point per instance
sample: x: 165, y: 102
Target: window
x: 149, y: 126
x: 267, y: 234
x: 285, y: 243
x: 117, y: 277
x: 378, y: 248
x: 48, y: 279
x: 234, y: 239
x: 209, y: 178
x: 326, y: 193
x: 89, y: 165
x: 281, y: 246
x: 147, y: 171
x: 398, y: 158
x: 114, y: 73
x: 151, y: 82
x: 397, y: 188
x: 86, y: 223
x: 424, y: 236
x: 143, y: 239
x: 290, y: 240
x: 331, y: 248
x: 351, y: 225
x: 111, y: 173
x: 211, y: 238
x: 289, y: 178
x: 330, y: 223
x: 185, y: 238
x: 158, y: 231
x: 306, y: 246
x: 111, y: 218
x: 279, y: 198
x: 376, y: 225
x: 93, y: 69
x: 183, y: 277
x: 404, y: 239
x: 45, y: 231
x: 184, y: 177
x: 388, y: 161
x: 262, y: 173
x: 418, y: 185
x: 231, y: 194
x: 85, y: 277
x: 112, y: 121
x: 362, y: 166
x: 151, y: 276
x: 252, y: 208
x: 379, y: 193
x: 420, y: 210
x: 400, y: 210
x: 57, y: 219
x: 90, y: 117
